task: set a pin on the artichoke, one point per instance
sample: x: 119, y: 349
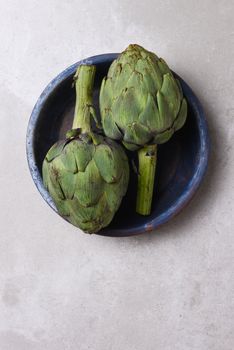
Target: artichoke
x: 142, y: 104
x: 86, y: 174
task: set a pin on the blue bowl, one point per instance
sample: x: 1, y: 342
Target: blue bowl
x: 182, y: 161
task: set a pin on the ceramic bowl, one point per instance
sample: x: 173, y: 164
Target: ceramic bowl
x: 182, y: 161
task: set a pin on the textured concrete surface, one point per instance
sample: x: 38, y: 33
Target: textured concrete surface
x: 171, y: 289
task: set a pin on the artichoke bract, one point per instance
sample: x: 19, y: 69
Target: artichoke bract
x: 142, y: 104
x: 86, y: 174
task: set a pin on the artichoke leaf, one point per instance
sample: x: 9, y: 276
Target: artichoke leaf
x: 125, y: 108
x: 89, y: 185
x: 110, y: 127
x: 55, y: 150
x: 82, y: 153
x: 150, y: 116
x: 164, y: 136
x: 180, y: 120
x: 163, y: 66
x: 164, y: 110
x: 107, y: 160
x: 171, y: 93
x: 137, y: 133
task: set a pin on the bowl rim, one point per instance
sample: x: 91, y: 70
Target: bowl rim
x: 179, y: 203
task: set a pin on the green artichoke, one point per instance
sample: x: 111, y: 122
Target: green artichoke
x: 141, y: 104
x: 86, y: 174
x: 140, y: 100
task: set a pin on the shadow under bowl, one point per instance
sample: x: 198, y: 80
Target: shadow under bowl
x: 182, y: 161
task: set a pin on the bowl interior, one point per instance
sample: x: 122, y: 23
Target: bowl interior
x: 178, y: 159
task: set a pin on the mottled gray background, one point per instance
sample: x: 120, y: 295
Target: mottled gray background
x: 61, y: 289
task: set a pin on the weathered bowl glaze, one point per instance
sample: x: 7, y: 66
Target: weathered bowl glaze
x: 182, y: 161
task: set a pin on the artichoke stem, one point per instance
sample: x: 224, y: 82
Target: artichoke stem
x: 147, y: 157
x: 84, y: 80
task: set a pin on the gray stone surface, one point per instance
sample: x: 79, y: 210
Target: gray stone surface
x: 61, y: 289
